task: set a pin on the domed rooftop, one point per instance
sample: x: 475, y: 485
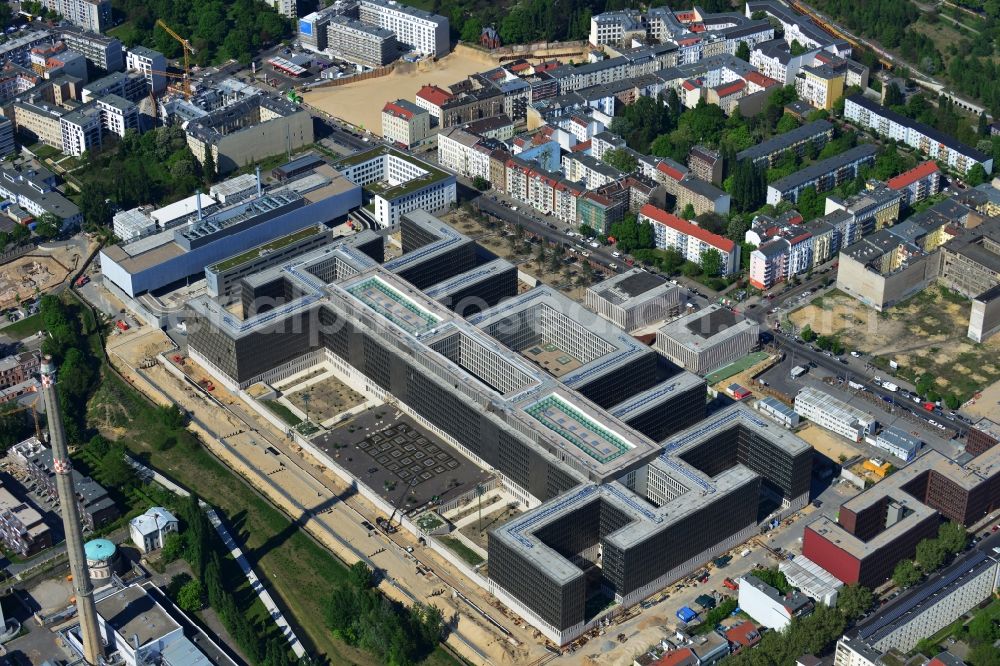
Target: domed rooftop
x: 100, y: 549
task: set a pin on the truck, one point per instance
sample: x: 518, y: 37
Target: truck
x: 731, y: 584
x: 685, y: 614
x: 82, y: 280
x: 889, y: 386
x: 798, y: 371
x: 856, y: 386
x: 122, y: 325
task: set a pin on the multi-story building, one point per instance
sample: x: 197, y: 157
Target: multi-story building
x: 127, y: 85
x: 918, y: 183
x: 873, y: 209
x: 898, y: 442
x: 7, y: 145
x: 359, y: 42
x: 81, y: 130
x: 17, y: 49
x: 708, y: 340
x: 92, y: 15
x: 54, y: 60
x: 465, y: 153
x: 774, y: 60
x: 34, y: 190
x: 797, y: 27
x: 150, y: 64
x: 820, y: 85
x: 672, y: 232
x: 634, y: 299
x: 823, y: 175
x: 118, y: 115
x: 705, y: 164
x: 398, y: 183
x: 102, y: 51
x: 970, y: 262
x: 22, y: 528
x: 769, y: 263
x: 249, y: 130
x: 405, y: 123
x: 592, y: 172
x: 766, y: 153
x: 150, y: 530
x: 39, y: 120
x: 433, y: 98
x: 936, y: 145
x: 834, y: 414
x: 983, y: 436
x: 17, y: 368
x: 420, y: 31
x: 617, y: 28
x: 882, y: 525
x: 702, y: 196
x: 287, y: 8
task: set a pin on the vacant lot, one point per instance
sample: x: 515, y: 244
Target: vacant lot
x: 361, y: 103
x: 926, y: 333
x: 834, y: 447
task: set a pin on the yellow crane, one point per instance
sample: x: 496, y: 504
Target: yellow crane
x: 188, y: 51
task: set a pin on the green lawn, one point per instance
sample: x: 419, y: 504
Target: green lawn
x: 283, y: 412
x: 25, y: 327
x: 463, y: 551
x: 735, y: 367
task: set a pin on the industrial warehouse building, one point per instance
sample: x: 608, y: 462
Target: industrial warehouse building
x: 599, y: 438
x: 634, y: 299
x: 882, y: 525
x: 834, y: 414
x: 708, y: 340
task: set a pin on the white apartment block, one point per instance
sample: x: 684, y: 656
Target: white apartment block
x: 936, y: 145
x: 673, y: 233
x: 589, y: 170
x: 616, y: 27
x: 147, y: 62
x: 93, y: 15
x: 81, y: 130
x: 422, y: 31
x: 118, y: 114
x: 460, y: 151
x: 834, y: 414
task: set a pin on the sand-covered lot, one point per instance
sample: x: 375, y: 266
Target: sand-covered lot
x: 361, y: 103
x: 926, y: 333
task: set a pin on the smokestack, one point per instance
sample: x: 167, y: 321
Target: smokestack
x: 258, y: 180
x: 86, y: 611
x: 197, y: 201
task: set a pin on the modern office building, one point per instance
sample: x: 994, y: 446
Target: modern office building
x: 936, y: 145
x: 708, y: 339
x: 92, y: 15
x: 151, y: 64
x: 766, y: 153
x: 405, y: 123
x: 249, y: 130
x: 173, y: 254
x: 823, y: 175
x: 551, y: 398
x: 634, y: 299
x: 883, y: 525
x: 672, y: 232
x: 899, y: 443
x: 396, y: 183
x: 418, y: 30
x: 983, y: 436
x: 769, y: 607
x: 834, y: 414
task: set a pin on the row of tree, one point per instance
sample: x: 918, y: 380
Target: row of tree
x: 931, y: 554
x: 360, y: 615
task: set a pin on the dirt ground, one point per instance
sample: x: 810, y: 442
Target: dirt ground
x: 361, y: 103
x: 926, y: 333
x: 34, y: 273
x: 325, y: 398
x: 139, y: 343
x: 987, y: 404
x: 830, y: 445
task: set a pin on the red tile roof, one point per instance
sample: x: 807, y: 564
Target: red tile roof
x: 688, y: 85
x: 688, y: 41
x: 913, y: 175
x: 434, y: 95
x: 669, y: 170
x: 732, y: 88
x: 396, y: 110
x: 676, y: 658
x: 582, y: 146
x: 663, y: 217
x: 760, y: 79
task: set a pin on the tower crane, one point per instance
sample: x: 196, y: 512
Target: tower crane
x: 188, y: 51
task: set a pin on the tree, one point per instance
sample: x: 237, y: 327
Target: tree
x: 15, y: 425
x: 854, y: 601
x: 208, y: 165
x: 930, y: 555
x: 480, y: 183
x: 807, y: 333
x: 774, y: 578
x: 787, y: 123
x: 952, y: 401
x: 749, y: 186
x: 983, y: 128
x: 621, y: 159
x: 174, y: 546
x: 976, y: 175
x: 952, y: 537
x: 688, y: 212
x: 471, y: 30
x: 48, y: 226
x: 360, y: 576
x: 711, y: 262
x: 737, y: 228
x: 893, y: 95
x: 905, y: 574
x: 810, y: 203
x: 796, y: 48
x: 743, y: 51
x: 189, y: 597
x: 984, y: 654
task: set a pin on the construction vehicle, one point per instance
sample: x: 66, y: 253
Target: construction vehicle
x: 188, y: 52
x: 294, y: 97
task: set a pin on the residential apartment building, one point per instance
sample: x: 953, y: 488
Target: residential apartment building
x: 834, y: 414
x: 823, y: 175
x: 672, y: 232
x: 39, y: 120
x: 360, y: 43
x: 405, y: 123
x: 102, y: 51
x: 970, y: 263
x: 465, y: 153
x: 705, y: 164
x: 81, y: 130
x: 18, y: 368
x: 874, y: 208
x: 920, y: 182
x: 819, y: 85
x: 34, y: 190
x: 592, y: 172
x: 7, y: 145
x: 766, y: 153
x: 92, y: 15
x: 702, y: 196
x: 54, y: 60
x: 433, y: 98
x: 150, y: 64
x: 22, y: 528
x: 118, y: 115
x: 936, y: 145
x: 128, y: 85
x: 420, y: 31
